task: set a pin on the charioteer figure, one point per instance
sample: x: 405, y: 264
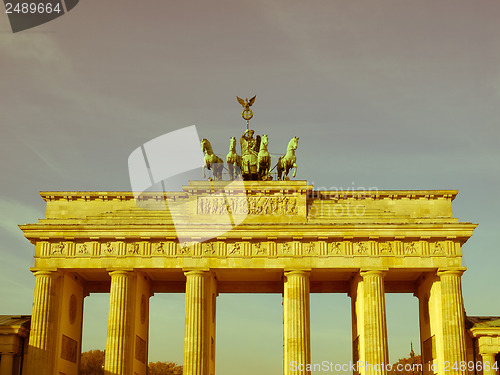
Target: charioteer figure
x: 249, y: 151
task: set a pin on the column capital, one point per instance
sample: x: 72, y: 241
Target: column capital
x: 375, y: 272
x: 125, y: 271
x: 44, y: 272
x: 201, y: 272
x: 305, y: 272
x: 451, y: 271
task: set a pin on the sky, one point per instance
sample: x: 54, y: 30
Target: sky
x: 391, y: 94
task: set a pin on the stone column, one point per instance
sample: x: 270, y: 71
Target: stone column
x: 453, y: 319
x: 40, y: 353
x: 375, y: 325
x: 297, y: 344
x: 118, y: 344
x: 196, y: 335
x: 488, y: 363
x: 6, y: 364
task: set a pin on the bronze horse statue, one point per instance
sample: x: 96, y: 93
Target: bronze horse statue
x: 288, y: 161
x: 233, y: 161
x: 212, y: 161
x: 263, y: 159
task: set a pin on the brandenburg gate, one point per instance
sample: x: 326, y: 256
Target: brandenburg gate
x: 264, y: 237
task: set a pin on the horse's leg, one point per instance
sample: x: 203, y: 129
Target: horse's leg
x: 287, y: 170
x: 219, y: 172
x: 203, y: 169
x: 295, y: 171
x: 230, y: 170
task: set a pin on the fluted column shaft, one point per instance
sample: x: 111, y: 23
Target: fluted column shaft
x: 196, y: 348
x: 6, y: 364
x: 296, y: 315
x: 453, y: 319
x: 39, y: 359
x: 117, y: 341
x: 375, y: 325
x: 488, y: 363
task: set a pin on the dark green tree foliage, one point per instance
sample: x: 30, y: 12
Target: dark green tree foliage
x: 164, y: 368
x: 407, y: 366
x: 92, y: 363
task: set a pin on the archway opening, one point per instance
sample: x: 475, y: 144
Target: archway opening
x: 331, y: 331
x: 166, y: 327
x: 249, y: 334
x: 403, y: 329
x: 95, y: 321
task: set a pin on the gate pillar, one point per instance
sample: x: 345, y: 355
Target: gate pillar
x: 296, y: 315
x: 128, y: 321
x: 199, y: 334
x: 369, y: 323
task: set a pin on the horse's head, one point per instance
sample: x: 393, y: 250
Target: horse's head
x: 205, y: 145
x: 264, y: 141
x: 292, y: 145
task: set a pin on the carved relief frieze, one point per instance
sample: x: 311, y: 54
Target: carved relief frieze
x: 234, y: 249
x: 309, y: 249
x: 438, y: 249
x: 185, y: 248
x: 247, y: 248
x: 336, y: 248
x: 133, y: 248
x: 410, y: 249
x: 285, y: 249
x: 386, y: 248
x: 361, y: 248
x: 82, y: 249
x: 109, y: 248
x: 58, y: 248
x: 159, y: 248
x: 259, y: 249
x: 262, y: 205
x: 209, y: 248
